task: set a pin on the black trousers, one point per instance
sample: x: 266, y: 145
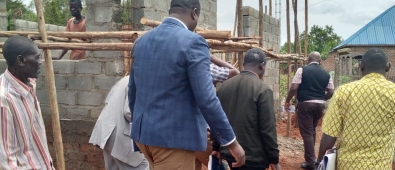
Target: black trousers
x: 308, y: 116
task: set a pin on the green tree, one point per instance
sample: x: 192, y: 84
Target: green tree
x: 284, y: 48
x: 17, y: 10
x: 321, y: 39
x: 57, y: 12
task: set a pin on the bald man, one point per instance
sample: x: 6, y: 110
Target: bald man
x: 310, y: 82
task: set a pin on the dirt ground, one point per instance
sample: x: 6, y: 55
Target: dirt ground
x: 291, y: 148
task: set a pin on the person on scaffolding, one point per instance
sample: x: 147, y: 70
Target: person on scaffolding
x: 75, y: 24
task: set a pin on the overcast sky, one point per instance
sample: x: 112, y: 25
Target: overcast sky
x: 346, y: 16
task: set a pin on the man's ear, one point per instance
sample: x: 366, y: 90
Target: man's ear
x: 20, y: 60
x: 194, y: 14
x: 388, y: 67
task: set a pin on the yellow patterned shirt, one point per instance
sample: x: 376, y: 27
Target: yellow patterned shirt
x: 362, y: 115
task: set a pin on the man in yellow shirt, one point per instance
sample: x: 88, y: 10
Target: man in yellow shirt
x: 362, y: 115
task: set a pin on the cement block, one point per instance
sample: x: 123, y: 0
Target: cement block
x: 95, y: 113
x: 276, y: 96
x: 103, y: 14
x: 114, y: 68
x: 62, y: 29
x: 91, y: 98
x: 163, y: 6
x: 94, y: 2
x: 213, y: 7
x: 273, y: 20
x: 53, y: 28
x: 99, y: 27
x: 80, y: 82
x: 20, y: 23
x: 205, y: 5
x: 89, y: 67
x: 78, y: 112
x: 247, y: 10
x: 3, y: 65
x: 42, y: 96
x: 64, y: 66
x: 107, y: 54
x: 66, y: 97
x: 266, y: 17
x: 32, y: 25
x: 105, y: 82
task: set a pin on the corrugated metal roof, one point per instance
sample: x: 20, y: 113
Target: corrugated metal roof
x: 379, y: 31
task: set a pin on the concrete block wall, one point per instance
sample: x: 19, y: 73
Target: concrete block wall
x: 271, y: 28
x: 23, y: 25
x: 159, y: 10
x: 81, y: 87
x: 272, y: 79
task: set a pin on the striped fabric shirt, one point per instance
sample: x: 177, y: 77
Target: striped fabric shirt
x: 219, y: 74
x: 22, y: 131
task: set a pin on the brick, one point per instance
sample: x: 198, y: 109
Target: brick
x: 66, y: 97
x: 64, y: 66
x: 105, y: 82
x: 89, y: 67
x: 114, y: 68
x: 91, y: 98
x: 60, y: 82
x: 80, y: 82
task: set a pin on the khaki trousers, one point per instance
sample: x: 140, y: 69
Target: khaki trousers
x: 166, y: 159
x: 203, y: 157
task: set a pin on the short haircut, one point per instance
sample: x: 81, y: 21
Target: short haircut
x: 78, y: 2
x: 15, y: 46
x: 185, y: 4
x: 254, y: 56
x: 374, y: 59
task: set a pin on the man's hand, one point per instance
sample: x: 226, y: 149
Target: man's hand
x: 216, y: 154
x: 275, y: 166
x: 238, y: 153
x: 286, y: 106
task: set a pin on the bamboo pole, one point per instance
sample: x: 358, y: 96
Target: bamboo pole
x: 153, y: 23
x: 306, y: 27
x: 261, y: 23
x: 53, y: 101
x: 288, y: 28
x: 288, y: 87
x: 240, y: 55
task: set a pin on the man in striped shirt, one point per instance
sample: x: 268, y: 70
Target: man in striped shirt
x: 23, y: 144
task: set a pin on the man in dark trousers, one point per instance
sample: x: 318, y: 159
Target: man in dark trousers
x: 310, y: 82
x: 248, y: 104
x: 171, y: 93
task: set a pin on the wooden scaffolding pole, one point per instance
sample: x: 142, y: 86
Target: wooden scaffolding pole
x: 297, y: 48
x: 53, y: 101
x: 240, y: 56
x: 270, y: 7
x: 261, y: 22
x: 288, y: 29
x: 288, y: 87
x: 306, y: 27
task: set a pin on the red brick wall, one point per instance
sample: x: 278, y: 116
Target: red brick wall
x: 329, y: 63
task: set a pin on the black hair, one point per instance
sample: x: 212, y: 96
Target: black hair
x: 15, y: 46
x: 78, y: 2
x: 374, y: 59
x: 254, y: 56
x: 184, y: 4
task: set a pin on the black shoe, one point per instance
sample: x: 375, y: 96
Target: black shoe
x: 307, y: 167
